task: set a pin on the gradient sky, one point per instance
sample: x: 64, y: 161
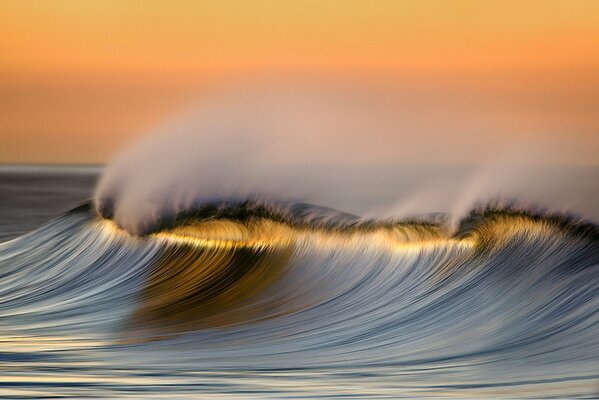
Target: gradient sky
x: 80, y: 78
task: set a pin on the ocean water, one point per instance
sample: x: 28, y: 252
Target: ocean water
x: 262, y: 298
x: 31, y: 195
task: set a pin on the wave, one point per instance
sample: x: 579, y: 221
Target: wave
x: 504, y: 306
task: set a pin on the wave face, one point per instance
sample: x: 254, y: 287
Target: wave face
x: 291, y: 300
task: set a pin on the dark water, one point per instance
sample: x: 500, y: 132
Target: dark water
x: 32, y: 195
x: 250, y: 302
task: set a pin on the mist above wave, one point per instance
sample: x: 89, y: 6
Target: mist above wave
x: 358, y: 148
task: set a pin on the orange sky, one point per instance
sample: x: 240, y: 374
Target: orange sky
x: 79, y: 78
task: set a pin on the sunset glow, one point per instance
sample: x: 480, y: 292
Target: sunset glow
x: 77, y: 72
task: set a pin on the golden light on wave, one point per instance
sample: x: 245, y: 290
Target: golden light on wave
x: 216, y: 273
x: 213, y: 273
x: 263, y: 233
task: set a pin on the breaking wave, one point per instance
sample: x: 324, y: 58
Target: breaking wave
x: 202, y: 268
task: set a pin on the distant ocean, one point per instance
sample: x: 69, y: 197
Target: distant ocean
x: 31, y: 195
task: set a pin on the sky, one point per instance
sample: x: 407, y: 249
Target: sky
x: 78, y: 79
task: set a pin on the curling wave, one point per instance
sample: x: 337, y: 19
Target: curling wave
x: 284, y: 299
